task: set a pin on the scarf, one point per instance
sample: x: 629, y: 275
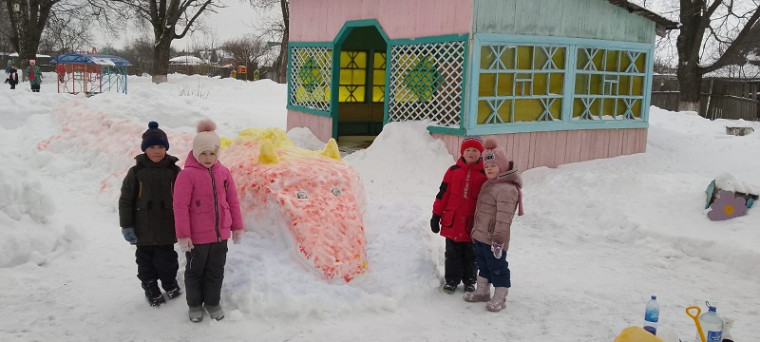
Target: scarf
x: 31, y: 73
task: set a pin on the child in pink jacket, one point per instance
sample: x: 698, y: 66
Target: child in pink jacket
x: 206, y: 214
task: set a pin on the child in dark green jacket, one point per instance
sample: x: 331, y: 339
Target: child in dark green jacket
x: 146, y: 215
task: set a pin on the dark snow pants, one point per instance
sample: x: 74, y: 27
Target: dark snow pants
x: 204, y: 273
x: 460, y: 263
x: 495, y: 270
x: 157, y: 262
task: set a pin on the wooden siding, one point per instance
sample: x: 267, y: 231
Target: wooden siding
x: 321, y: 126
x: 551, y: 149
x: 592, y: 19
x: 319, y: 21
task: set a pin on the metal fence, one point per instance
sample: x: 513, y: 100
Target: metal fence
x: 721, y: 98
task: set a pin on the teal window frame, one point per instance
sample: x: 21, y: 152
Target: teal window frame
x: 565, y: 122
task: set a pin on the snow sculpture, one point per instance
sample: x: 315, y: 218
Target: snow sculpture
x: 319, y: 197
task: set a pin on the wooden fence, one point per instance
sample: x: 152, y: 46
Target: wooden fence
x: 721, y: 98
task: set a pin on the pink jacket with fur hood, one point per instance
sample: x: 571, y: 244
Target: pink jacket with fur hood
x: 206, y: 205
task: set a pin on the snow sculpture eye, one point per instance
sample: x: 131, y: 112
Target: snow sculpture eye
x: 301, y: 194
x: 336, y: 192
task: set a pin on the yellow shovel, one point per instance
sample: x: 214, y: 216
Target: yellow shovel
x: 695, y: 317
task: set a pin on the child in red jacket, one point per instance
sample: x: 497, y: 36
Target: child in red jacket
x: 207, y: 213
x: 453, y: 214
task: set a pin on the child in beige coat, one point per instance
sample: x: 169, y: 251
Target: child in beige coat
x: 499, y: 198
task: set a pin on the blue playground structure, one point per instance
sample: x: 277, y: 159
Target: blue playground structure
x: 91, y: 73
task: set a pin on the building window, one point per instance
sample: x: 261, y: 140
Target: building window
x: 378, y: 77
x: 353, y: 76
x: 609, y: 84
x: 520, y: 83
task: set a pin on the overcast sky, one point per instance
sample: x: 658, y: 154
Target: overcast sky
x: 233, y: 21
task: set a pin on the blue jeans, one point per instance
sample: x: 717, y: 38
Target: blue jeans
x: 495, y: 270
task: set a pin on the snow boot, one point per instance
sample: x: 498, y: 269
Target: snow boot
x: 499, y: 300
x: 449, y: 288
x: 172, y: 290
x: 153, y: 293
x: 216, y: 312
x: 195, y: 313
x: 469, y: 287
x: 481, y: 294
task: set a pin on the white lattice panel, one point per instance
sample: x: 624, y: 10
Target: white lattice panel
x: 310, y: 75
x: 427, y: 82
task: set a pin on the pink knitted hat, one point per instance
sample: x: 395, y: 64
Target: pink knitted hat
x: 495, y: 155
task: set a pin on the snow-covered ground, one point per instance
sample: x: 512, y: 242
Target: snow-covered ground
x: 597, y: 240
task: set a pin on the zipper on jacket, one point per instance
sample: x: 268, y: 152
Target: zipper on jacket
x: 466, y: 183
x: 216, y: 207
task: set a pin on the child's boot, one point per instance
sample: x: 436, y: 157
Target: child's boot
x: 195, y: 313
x: 153, y: 293
x: 216, y: 312
x: 499, y: 300
x: 481, y: 294
x: 172, y: 290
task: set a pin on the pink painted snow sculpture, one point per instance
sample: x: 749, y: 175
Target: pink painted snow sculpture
x: 319, y: 197
x: 727, y: 206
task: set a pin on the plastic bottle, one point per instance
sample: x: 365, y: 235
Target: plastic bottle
x: 712, y: 324
x: 652, y: 316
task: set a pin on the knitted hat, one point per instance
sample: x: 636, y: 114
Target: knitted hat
x: 473, y: 142
x: 494, y: 155
x: 206, y: 139
x: 154, y: 136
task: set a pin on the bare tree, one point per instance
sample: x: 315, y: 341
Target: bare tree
x: 278, y: 29
x: 246, y: 51
x: 26, y: 22
x: 66, y: 32
x: 714, y: 34
x: 167, y: 17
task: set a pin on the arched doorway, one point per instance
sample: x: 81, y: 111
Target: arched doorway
x: 360, y: 80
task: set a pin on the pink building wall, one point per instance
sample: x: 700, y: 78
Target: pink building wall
x: 534, y: 149
x: 321, y: 20
x: 321, y: 126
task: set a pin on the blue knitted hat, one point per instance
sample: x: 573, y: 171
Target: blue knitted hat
x: 154, y: 136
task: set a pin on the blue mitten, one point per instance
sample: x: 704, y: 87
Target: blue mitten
x: 129, y: 235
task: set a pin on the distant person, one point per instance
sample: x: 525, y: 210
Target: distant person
x: 12, y: 77
x: 499, y: 198
x: 146, y: 216
x: 207, y: 211
x: 35, y: 76
x: 453, y: 213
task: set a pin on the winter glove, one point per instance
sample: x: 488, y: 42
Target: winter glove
x: 185, y: 244
x: 497, y: 249
x: 237, y: 235
x: 129, y: 235
x: 435, y: 223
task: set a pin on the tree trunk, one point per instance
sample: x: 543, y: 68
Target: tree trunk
x: 690, y: 86
x: 161, y: 61
x: 282, y: 60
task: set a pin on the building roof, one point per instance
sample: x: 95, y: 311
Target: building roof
x: 187, y: 60
x: 663, y: 24
x: 92, y: 59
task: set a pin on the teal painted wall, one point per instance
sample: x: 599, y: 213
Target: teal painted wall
x: 591, y: 19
